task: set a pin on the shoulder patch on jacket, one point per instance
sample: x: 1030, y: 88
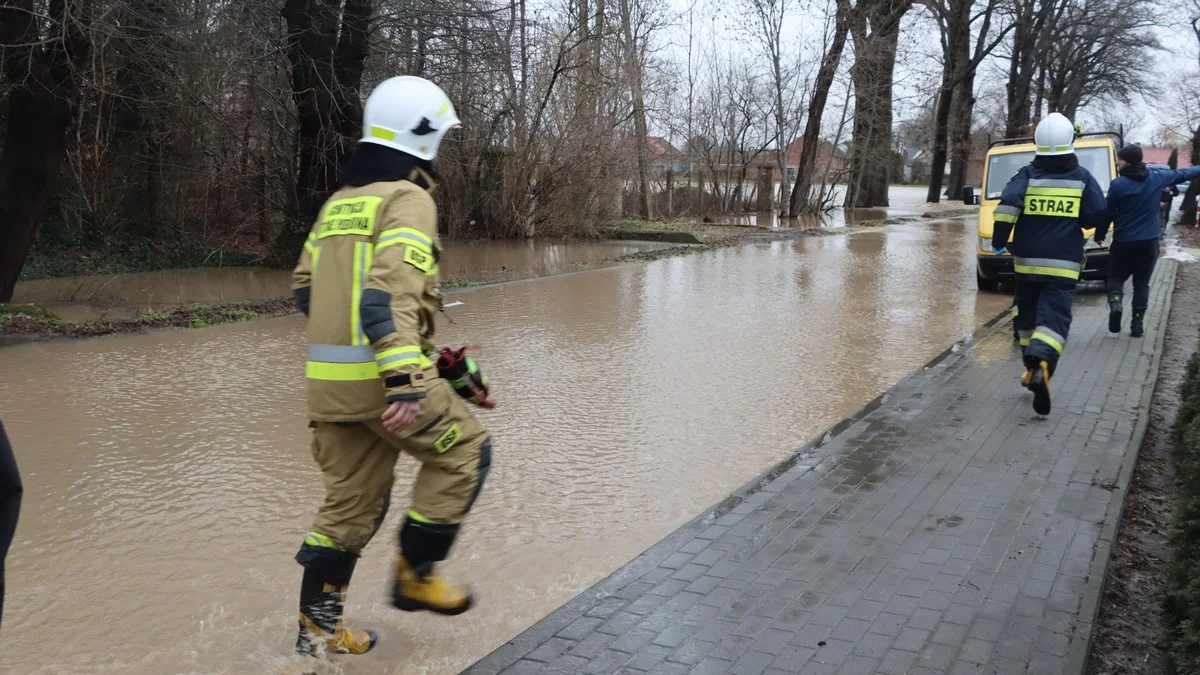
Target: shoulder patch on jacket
x: 418, y: 259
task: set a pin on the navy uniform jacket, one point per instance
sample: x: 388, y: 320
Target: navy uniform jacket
x: 1049, y: 202
x: 1134, y: 199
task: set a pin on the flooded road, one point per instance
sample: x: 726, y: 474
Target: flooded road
x: 169, y: 481
x: 114, y: 296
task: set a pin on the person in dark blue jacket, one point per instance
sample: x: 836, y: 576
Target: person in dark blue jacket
x: 1049, y: 202
x: 1134, y: 200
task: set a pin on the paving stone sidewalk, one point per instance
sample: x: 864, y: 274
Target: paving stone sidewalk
x: 942, y: 529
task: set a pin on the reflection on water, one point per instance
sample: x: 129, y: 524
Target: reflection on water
x: 169, y: 478
x: 905, y: 202
x: 114, y: 296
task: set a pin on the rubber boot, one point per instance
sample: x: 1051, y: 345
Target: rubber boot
x: 322, y: 600
x: 416, y: 591
x: 1114, y: 313
x: 415, y: 587
x: 1037, y: 380
x: 1136, y: 329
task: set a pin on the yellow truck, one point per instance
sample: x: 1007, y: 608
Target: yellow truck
x: 1097, y: 153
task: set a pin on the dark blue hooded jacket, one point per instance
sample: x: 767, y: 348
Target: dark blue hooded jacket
x: 1134, y: 198
x: 1049, y: 202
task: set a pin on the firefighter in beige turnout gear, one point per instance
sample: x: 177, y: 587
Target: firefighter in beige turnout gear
x: 368, y: 281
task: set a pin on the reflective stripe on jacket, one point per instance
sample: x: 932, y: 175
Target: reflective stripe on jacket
x: 367, y: 279
x: 1049, y: 211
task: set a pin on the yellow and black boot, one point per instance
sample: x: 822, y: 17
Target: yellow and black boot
x: 1037, y: 380
x: 327, y: 575
x: 415, y: 587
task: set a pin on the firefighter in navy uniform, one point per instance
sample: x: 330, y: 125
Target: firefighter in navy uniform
x: 367, y: 280
x: 1049, y: 202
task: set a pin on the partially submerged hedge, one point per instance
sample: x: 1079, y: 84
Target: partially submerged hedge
x: 1181, y: 601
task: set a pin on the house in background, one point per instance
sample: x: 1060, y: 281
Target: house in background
x: 1162, y: 155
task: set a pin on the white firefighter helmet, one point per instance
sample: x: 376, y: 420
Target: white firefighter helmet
x: 1055, y: 135
x: 409, y: 114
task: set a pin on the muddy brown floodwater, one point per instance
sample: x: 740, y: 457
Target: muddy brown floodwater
x: 169, y: 480
x: 115, y: 296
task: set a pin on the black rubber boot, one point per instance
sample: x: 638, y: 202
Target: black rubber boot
x: 415, y: 587
x: 1114, y: 313
x: 1136, y: 329
x: 1037, y: 380
x: 327, y: 575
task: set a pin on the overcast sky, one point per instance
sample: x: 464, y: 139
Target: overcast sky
x: 919, y: 63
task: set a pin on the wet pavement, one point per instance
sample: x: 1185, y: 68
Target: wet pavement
x: 169, y: 480
x: 944, y: 528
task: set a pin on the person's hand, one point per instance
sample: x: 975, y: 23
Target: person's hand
x: 400, y: 414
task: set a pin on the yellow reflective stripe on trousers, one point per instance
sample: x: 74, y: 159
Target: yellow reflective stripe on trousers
x: 320, y: 540
x: 341, y: 363
x: 409, y: 355
x: 412, y: 514
x: 363, y: 257
x: 405, y: 235
x: 1043, y: 334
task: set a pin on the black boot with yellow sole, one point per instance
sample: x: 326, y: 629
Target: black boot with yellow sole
x: 327, y: 575
x: 415, y: 588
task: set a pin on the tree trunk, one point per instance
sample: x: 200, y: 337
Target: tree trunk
x: 960, y: 135
x: 873, y: 76
x: 326, y: 48
x: 43, y: 96
x: 801, y: 200
x: 941, y: 132
x: 1020, y: 75
x: 639, y: 109
x: 1187, y: 210
x: 955, y: 66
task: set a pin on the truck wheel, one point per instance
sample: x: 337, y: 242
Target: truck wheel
x: 985, y: 284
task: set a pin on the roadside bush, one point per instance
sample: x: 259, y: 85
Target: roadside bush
x: 1181, y: 597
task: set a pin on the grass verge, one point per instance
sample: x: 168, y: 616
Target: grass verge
x: 22, y: 323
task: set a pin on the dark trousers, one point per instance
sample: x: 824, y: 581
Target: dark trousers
x: 1136, y: 259
x: 1044, y: 319
x: 10, y: 503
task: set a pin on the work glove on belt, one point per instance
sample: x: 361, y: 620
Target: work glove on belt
x: 464, y: 375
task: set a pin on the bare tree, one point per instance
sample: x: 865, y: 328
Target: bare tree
x: 327, y: 44
x: 1189, y: 106
x: 764, y: 24
x: 875, y: 29
x: 1104, y: 51
x: 634, y: 63
x: 955, y: 19
x: 1034, y: 27
x: 44, y: 56
x: 801, y: 201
